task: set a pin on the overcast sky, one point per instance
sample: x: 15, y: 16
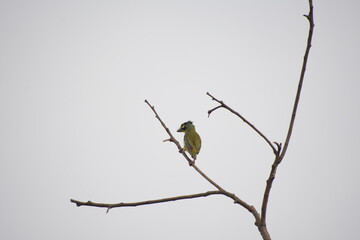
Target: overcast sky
x: 73, y: 79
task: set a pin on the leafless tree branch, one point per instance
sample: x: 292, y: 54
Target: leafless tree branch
x: 310, y: 18
x: 236, y: 199
x: 148, y: 202
x: 223, y: 105
x: 279, y: 152
x: 280, y: 157
x: 260, y: 220
x: 221, y: 190
x: 172, y: 138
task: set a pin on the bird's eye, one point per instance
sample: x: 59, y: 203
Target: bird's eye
x: 183, y: 126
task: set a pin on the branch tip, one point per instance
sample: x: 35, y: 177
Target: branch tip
x: 278, y: 150
x: 212, y: 97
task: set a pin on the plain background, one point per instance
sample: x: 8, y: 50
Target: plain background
x: 73, y: 79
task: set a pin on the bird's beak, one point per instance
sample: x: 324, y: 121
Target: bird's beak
x: 179, y: 130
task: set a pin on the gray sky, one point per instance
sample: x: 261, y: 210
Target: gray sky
x: 73, y: 79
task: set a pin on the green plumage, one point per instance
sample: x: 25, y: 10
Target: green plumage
x: 192, y: 140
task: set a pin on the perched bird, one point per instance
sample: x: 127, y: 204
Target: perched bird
x: 192, y: 140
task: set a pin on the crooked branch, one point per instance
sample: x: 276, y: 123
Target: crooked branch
x: 223, y: 105
x: 220, y: 190
x: 260, y: 220
x: 148, y: 202
x: 236, y: 199
x: 172, y: 138
x: 310, y: 18
x: 279, y: 158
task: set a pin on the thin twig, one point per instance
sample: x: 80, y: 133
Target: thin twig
x: 223, y: 105
x: 310, y: 18
x: 172, y: 138
x: 135, y: 204
x: 280, y: 157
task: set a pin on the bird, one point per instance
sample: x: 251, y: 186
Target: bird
x: 192, y: 140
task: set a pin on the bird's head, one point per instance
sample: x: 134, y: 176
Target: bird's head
x: 186, y: 126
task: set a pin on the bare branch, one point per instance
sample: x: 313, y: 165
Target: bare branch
x: 236, y: 199
x: 221, y: 190
x: 310, y: 18
x: 280, y: 157
x: 223, y: 105
x: 260, y: 220
x: 135, y: 204
x: 192, y: 163
x: 171, y: 139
